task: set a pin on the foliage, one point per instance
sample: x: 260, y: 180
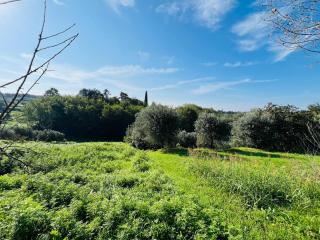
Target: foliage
x: 27, y: 133
x: 51, y: 92
x: 188, y: 115
x: 261, y: 195
x: 100, y: 191
x: 275, y: 128
x: 211, y: 130
x: 155, y: 126
x: 187, y: 139
x: 87, y: 117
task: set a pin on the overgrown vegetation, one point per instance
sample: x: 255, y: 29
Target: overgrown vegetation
x: 113, y: 191
x: 89, y: 116
x: 99, y: 191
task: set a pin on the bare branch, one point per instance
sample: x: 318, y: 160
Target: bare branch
x: 295, y: 22
x: 11, y: 1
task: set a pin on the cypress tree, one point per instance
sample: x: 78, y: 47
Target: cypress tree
x: 146, y: 99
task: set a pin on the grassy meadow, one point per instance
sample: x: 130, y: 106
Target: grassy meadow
x: 113, y: 191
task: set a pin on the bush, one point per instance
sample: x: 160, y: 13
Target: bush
x: 7, y: 134
x: 187, y: 139
x: 273, y: 128
x: 49, y: 136
x: 155, y: 126
x: 211, y: 130
x: 27, y: 133
x: 31, y: 224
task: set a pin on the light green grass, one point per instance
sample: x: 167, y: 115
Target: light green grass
x: 113, y: 191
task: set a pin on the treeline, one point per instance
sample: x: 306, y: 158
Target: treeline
x: 273, y: 128
x: 91, y: 115
x: 95, y: 115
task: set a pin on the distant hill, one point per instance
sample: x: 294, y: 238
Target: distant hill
x: 9, y: 96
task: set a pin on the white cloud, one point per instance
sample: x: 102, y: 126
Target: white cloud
x: 115, y: 5
x: 255, y: 32
x: 207, y: 13
x: 213, y: 87
x: 240, y: 64
x: 59, y: 2
x: 71, y: 74
x: 280, y: 52
x: 181, y: 83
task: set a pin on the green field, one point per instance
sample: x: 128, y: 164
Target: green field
x: 113, y: 191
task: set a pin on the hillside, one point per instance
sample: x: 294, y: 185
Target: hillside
x: 113, y: 191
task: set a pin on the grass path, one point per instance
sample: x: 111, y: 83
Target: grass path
x: 176, y: 167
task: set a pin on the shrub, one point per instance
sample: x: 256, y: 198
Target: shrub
x: 27, y: 133
x: 31, y: 223
x: 155, y: 126
x: 211, y: 130
x: 187, y: 139
x: 7, y: 134
x: 49, y: 136
x: 273, y: 128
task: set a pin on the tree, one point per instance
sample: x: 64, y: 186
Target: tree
x: 123, y: 96
x: 145, y: 103
x: 155, y: 126
x: 211, y: 130
x: 188, y: 115
x: 275, y: 128
x: 295, y: 23
x: 106, y: 94
x: 91, y: 94
x: 51, y: 92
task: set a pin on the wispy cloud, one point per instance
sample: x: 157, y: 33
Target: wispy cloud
x: 209, y: 64
x: 116, y: 5
x: 207, y: 13
x: 71, y: 74
x: 181, y: 83
x: 213, y: 87
x: 255, y: 32
x: 240, y: 64
x: 59, y: 2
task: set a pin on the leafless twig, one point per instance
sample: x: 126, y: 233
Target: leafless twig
x: 34, y: 73
x: 296, y: 23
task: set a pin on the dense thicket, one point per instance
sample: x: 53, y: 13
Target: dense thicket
x: 90, y: 115
x: 277, y: 128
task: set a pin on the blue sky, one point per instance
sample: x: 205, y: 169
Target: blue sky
x: 215, y: 53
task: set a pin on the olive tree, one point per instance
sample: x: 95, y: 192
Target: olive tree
x: 211, y: 130
x: 156, y: 126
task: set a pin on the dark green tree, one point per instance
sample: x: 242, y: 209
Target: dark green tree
x: 51, y: 92
x: 91, y: 94
x: 145, y: 103
x: 188, y: 115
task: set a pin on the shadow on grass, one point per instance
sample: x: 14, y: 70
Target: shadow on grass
x: 255, y: 154
x: 177, y: 151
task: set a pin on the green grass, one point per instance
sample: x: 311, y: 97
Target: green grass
x: 112, y: 191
